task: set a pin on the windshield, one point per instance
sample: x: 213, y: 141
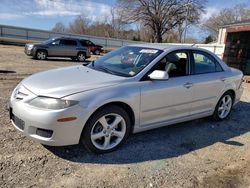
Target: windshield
x: 49, y: 41
x: 126, y: 61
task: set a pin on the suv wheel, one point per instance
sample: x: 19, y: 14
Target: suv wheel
x: 81, y: 57
x: 97, y: 52
x: 41, y: 54
x: 106, y: 129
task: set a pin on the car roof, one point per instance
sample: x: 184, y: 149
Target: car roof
x: 164, y: 47
x: 69, y: 38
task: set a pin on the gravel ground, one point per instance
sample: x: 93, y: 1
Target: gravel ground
x: 199, y: 153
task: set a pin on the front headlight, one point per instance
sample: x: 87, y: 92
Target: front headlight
x: 30, y: 47
x: 51, y: 103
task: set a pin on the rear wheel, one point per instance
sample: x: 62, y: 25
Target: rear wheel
x: 97, y: 52
x: 41, y: 54
x: 81, y: 57
x: 224, y: 106
x: 106, y: 130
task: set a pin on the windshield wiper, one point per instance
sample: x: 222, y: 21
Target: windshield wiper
x: 104, y: 69
x: 101, y: 68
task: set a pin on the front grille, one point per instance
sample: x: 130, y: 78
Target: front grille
x: 18, y: 122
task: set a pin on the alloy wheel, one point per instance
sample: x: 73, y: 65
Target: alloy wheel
x: 41, y: 55
x: 225, y: 106
x: 108, y: 131
x: 81, y: 57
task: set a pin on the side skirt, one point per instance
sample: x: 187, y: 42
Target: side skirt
x: 172, y: 121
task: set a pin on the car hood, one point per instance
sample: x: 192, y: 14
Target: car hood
x: 62, y: 82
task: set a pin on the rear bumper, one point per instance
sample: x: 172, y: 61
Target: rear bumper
x: 238, y: 95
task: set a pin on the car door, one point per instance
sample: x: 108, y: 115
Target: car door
x: 167, y: 100
x: 69, y: 47
x: 208, y: 81
x: 54, y: 48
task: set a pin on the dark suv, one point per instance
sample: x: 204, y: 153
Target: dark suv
x: 94, y: 48
x: 58, y: 47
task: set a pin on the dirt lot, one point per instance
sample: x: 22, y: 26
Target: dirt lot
x: 199, y: 153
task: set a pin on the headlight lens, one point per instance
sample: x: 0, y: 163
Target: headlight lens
x: 52, y: 103
x: 30, y: 46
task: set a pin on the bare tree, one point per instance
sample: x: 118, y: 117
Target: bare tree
x: 160, y: 15
x: 192, y: 18
x: 227, y: 16
x: 117, y: 23
x: 79, y: 25
x: 60, y: 28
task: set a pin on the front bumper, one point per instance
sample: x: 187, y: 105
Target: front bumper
x: 42, y: 126
x: 28, y: 52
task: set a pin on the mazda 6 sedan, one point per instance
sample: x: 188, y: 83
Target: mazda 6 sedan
x: 132, y: 89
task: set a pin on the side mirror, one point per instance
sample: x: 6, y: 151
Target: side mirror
x: 159, y: 75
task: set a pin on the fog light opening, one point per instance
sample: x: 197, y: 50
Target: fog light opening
x: 44, y: 133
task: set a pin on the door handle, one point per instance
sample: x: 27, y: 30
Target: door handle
x: 188, y: 85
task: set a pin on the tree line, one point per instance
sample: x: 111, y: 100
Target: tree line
x: 156, y: 21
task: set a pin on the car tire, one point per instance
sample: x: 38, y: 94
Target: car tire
x: 106, y: 129
x: 41, y: 54
x: 81, y: 56
x: 97, y: 52
x: 223, y: 107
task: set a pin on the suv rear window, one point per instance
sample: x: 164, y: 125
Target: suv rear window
x: 68, y: 42
x: 86, y: 43
x: 83, y: 43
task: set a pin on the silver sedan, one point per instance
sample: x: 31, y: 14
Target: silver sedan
x: 129, y: 90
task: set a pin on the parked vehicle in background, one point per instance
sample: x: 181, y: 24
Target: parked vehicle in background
x: 131, y: 89
x: 58, y: 47
x: 95, y: 49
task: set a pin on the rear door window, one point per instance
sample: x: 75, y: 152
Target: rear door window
x: 204, y: 63
x: 68, y: 42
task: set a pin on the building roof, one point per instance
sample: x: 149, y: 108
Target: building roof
x: 239, y: 23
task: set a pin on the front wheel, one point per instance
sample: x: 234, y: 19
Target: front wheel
x: 41, y: 55
x: 97, y: 52
x: 106, y: 130
x: 223, y: 107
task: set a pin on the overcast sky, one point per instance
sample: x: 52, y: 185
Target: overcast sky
x: 43, y: 14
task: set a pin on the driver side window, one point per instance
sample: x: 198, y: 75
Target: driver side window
x: 56, y: 42
x: 174, y: 63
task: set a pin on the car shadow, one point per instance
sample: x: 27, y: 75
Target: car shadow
x: 64, y: 60
x: 167, y: 142
x: 7, y: 72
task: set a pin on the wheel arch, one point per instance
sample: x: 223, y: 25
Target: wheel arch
x: 122, y: 105
x: 81, y: 51
x: 41, y: 49
x: 232, y: 92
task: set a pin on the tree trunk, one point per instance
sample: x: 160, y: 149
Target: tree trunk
x: 158, y: 37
